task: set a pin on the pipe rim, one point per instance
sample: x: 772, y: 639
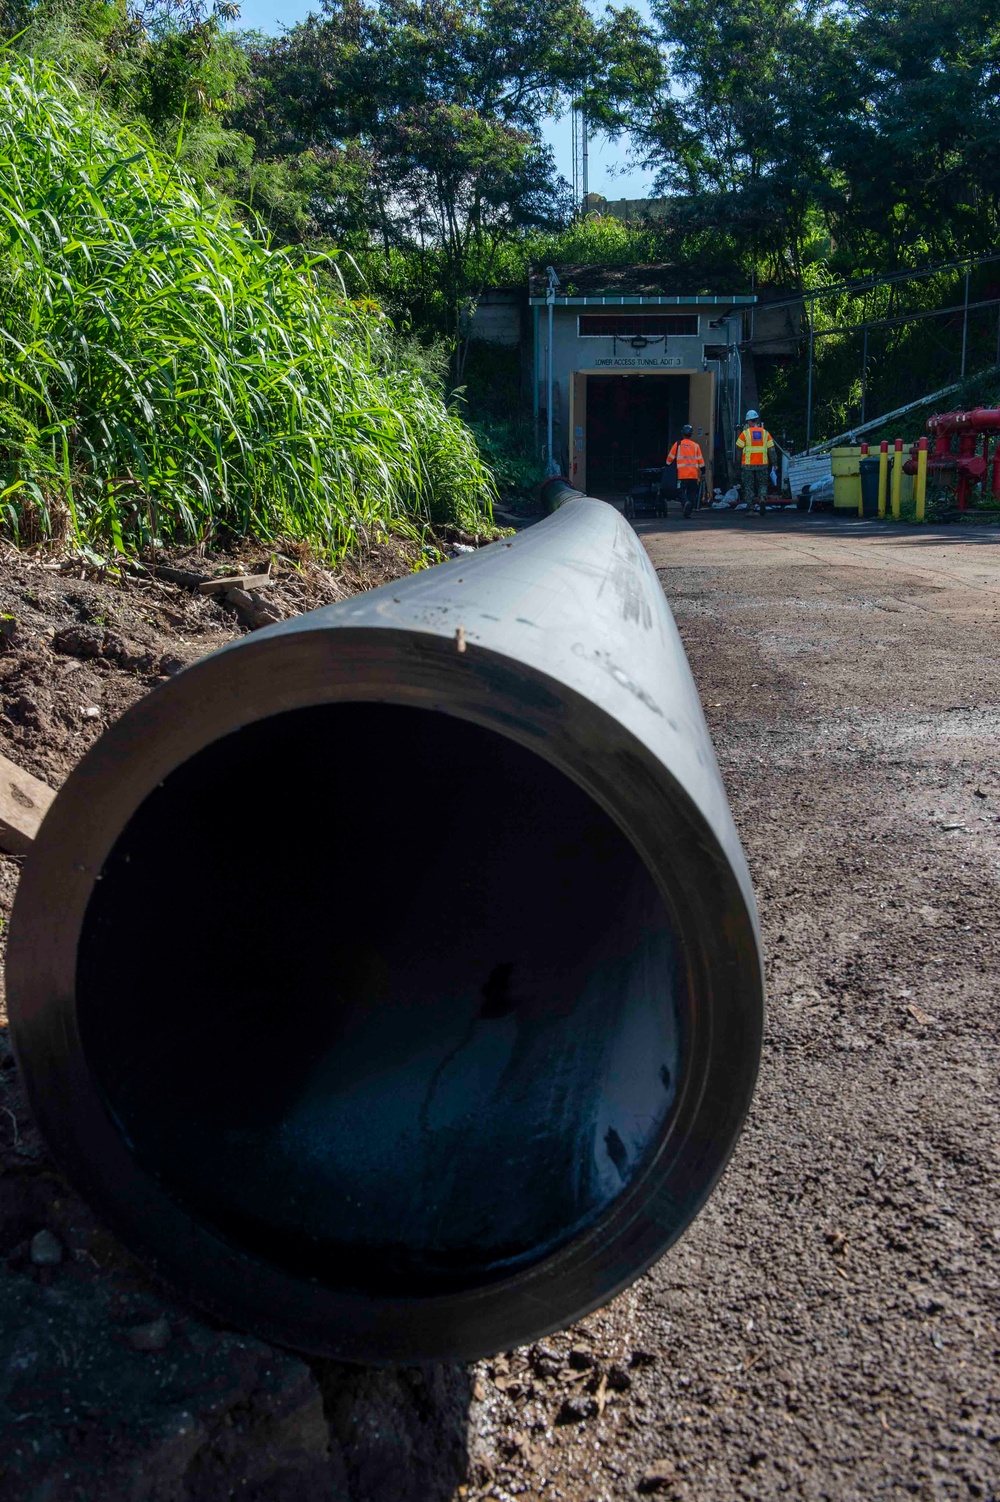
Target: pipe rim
x: 280, y: 670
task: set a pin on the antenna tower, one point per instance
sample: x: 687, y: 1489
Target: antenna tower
x: 581, y: 164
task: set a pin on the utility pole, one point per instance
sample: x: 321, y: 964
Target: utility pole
x: 864, y: 376
x: 551, y: 468
x: 575, y: 134
x: 809, y: 394
x: 965, y: 319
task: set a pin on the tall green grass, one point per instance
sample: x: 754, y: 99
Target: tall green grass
x: 166, y: 375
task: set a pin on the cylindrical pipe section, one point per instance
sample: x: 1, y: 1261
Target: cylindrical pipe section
x: 966, y: 450
x: 389, y: 981
x: 982, y: 419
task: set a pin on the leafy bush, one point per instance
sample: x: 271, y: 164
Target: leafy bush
x: 508, y: 446
x: 165, y: 374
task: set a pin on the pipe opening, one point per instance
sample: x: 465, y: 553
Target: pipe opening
x: 383, y: 998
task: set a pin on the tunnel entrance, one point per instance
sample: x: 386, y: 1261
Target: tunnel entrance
x: 631, y: 422
x: 382, y: 997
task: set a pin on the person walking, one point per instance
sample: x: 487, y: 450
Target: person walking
x: 690, y: 461
x: 754, y: 447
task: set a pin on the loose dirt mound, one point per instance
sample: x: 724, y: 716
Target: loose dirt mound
x: 79, y: 643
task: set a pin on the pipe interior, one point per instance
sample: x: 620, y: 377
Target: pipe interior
x: 382, y: 997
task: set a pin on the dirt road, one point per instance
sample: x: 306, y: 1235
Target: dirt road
x: 829, y: 1327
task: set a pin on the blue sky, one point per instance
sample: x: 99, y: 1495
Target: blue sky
x: 610, y: 173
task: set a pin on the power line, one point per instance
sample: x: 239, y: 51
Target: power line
x: 888, y: 278
x: 880, y: 323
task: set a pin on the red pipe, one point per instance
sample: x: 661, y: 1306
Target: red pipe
x: 967, y: 440
x: 982, y: 419
x: 973, y: 468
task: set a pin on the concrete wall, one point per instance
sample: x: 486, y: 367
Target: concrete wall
x: 497, y: 319
x: 610, y: 355
x: 777, y: 331
x: 632, y: 209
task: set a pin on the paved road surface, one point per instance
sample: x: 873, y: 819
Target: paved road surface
x: 829, y: 1327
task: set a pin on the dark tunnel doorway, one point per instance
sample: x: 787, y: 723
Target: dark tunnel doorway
x: 631, y: 422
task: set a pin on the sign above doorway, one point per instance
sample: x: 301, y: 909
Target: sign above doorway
x: 659, y: 362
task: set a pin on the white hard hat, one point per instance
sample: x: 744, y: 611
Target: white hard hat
x: 752, y: 416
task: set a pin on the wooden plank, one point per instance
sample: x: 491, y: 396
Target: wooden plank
x: 24, y: 802
x: 235, y: 581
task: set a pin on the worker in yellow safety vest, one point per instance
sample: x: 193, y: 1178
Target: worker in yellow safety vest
x: 690, y: 461
x: 754, y: 447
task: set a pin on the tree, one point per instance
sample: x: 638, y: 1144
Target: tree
x: 879, y: 117
x: 733, y: 128
x: 445, y: 103
x: 915, y: 150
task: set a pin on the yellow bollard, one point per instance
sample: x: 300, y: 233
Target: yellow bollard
x: 861, y: 484
x: 920, y: 489
x: 897, y: 478
x: 883, y: 476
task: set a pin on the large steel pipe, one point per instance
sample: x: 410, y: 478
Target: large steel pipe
x: 389, y: 981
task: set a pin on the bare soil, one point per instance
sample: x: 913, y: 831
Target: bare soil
x: 828, y: 1329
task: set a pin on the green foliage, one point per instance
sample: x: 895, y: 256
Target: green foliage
x: 595, y: 242
x: 876, y: 120
x: 409, y: 281
x: 508, y: 447
x: 914, y: 150
x: 905, y: 359
x: 427, y: 120
x: 166, y: 375
x: 504, y: 429
x: 732, y: 129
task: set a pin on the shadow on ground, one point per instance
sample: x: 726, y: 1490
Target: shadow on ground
x: 113, y: 1391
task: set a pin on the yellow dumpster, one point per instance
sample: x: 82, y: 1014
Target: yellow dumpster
x: 846, y: 479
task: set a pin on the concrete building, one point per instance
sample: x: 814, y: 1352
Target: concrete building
x: 633, y: 356
x: 633, y: 210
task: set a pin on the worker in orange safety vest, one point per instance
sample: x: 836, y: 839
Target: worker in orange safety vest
x: 690, y: 461
x: 754, y: 447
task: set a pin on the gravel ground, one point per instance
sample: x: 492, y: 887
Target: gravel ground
x: 828, y: 1329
